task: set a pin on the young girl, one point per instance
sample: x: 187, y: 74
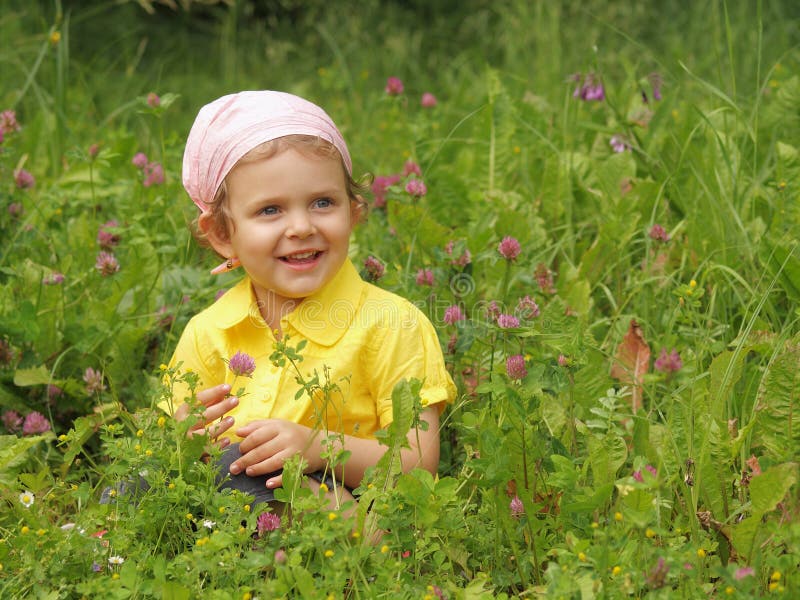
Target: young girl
x: 272, y: 177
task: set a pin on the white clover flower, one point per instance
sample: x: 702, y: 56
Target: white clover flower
x: 27, y: 498
x: 115, y: 560
x: 209, y: 523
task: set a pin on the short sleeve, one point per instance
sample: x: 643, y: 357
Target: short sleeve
x: 192, y: 354
x: 408, y: 348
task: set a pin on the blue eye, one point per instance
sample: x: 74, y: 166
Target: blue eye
x: 323, y: 202
x: 269, y: 210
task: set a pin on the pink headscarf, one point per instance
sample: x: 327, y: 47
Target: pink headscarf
x: 231, y: 126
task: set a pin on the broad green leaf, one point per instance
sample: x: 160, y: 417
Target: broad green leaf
x: 726, y: 369
x: 34, y: 376
x: 769, y: 488
x: 14, y: 452
x: 606, y: 455
x: 744, y: 534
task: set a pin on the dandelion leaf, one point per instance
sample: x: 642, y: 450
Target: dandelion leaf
x: 606, y: 455
x: 778, y: 411
x: 726, y: 370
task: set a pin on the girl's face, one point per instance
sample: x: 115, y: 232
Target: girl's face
x: 291, y: 219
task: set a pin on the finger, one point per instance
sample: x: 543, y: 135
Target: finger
x: 246, y: 430
x: 216, y: 411
x: 270, y: 465
x: 212, y: 395
x: 217, y: 429
x: 275, y: 482
x: 252, y: 462
x: 223, y: 443
x: 258, y: 438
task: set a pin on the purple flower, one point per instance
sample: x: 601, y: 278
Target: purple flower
x: 658, y: 233
x: 267, y: 522
x: 656, y: 578
x: 507, y: 321
x: 668, y: 363
x: 515, y: 367
x: 8, y: 122
x: 54, y: 278
x: 15, y: 209
x: 35, y: 422
x: 411, y: 168
x: 425, y: 277
x: 96, y: 567
x: 12, y: 421
x: 106, y: 236
x: 394, y: 87
x: 743, y: 572
x: 589, y: 87
x: 153, y: 174
x: 656, y: 82
x: 637, y: 475
x: 280, y: 557
x: 139, y: 160
x: 516, y: 507
x: 53, y: 392
x: 93, y: 151
x: 493, y: 310
x: 93, y: 380
x: 416, y: 188
x: 453, y: 314
x: 461, y: 261
x: 153, y: 101
x: 242, y: 364
x: 106, y: 263
x: 527, y: 308
x: 428, y: 100
x: 380, y: 186
x: 544, y: 277
x: 374, y: 268
x: 509, y: 248
x: 563, y: 361
x: 618, y: 143
x: 24, y: 179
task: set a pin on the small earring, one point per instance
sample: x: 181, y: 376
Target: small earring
x: 229, y: 264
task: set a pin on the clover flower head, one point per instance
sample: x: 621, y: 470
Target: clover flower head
x: 106, y: 237
x: 428, y: 100
x: 8, y: 122
x: 563, y: 361
x: 267, y: 522
x: 280, y: 557
x: 544, y: 277
x: 35, y: 422
x: 493, y: 310
x: 411, y: 168
x: 381, y: 185
x: 668, y: 362
x: 425, y: 277
x: 507, y: 321
x: 242, y: 364
x: 153, y: 100
x: 658, y: 233
x: 394, y: 86
x: 12, y: 421
x: 54, y: 278
x: 743, y: 572
x: 656, y: 81
x: 208, y: 523
x: 509, y: 248
x: 461, y: 261
x: 24, y: 179
x: 589, y: 87
x: 139, y: 160
x: 15, y: 209
x: 416, y: 188
x: 453, y: 314
x: 374, y: 268
x: 516, y: 507
x: 153, y: 174
x: 106, y: 263
x: 515, y: 367
x: 619, y: 144
x: 93, y: 380
x: 527, y: 308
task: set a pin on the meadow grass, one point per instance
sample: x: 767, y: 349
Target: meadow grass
x: 633, y: 435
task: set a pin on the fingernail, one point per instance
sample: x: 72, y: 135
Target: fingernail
x: 270, y: 484
x: 235, y: 470
x: 234, y: 400
x: 226, y: 387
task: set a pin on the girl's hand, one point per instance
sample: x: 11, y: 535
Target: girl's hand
x: 216, y: 402
x: 268, y: 443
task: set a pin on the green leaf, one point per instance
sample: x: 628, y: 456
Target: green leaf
x: 606, y: 455
x: 726, y: 369
x: 34, y: 376
x: 14, y: 452
x: 769, y: 488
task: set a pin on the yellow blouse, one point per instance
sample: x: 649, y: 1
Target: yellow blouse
x: 365, y: 338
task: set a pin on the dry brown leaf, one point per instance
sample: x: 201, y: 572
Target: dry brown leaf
x: 631, y: 362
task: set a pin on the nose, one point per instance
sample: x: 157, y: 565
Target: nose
x: 300, y: 225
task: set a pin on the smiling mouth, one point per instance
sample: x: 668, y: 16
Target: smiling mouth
x: 301, y: 257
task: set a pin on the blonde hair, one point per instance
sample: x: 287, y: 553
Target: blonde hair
x: 308, y: 145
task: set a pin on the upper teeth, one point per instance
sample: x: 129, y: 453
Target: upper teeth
x: 303, y: 255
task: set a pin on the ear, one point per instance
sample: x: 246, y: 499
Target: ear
x: 216, y: 236
x: 358, y: 210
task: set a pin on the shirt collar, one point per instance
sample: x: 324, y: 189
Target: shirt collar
x: 322, y: 317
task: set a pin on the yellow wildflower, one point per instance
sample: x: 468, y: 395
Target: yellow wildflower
x: 701, y: 553
x: 328, y: 553
x: 616, y: 570
x: 332, y: 516
x: 618, y: 516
